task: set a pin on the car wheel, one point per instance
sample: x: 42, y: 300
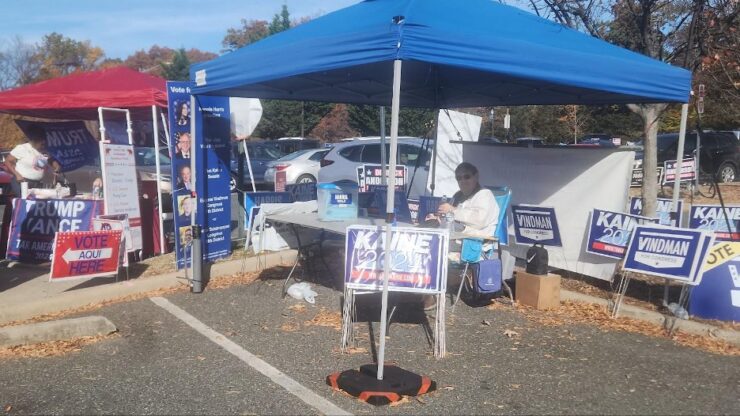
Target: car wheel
x: 726, y: 173
x: 305, y: 179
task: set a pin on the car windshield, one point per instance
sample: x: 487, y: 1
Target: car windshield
x: 295, y: 155
x: 145, y: 157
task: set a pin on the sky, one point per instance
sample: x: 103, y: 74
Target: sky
x: 122, y: 27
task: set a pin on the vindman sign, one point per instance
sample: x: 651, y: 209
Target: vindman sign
x: 673, y: 253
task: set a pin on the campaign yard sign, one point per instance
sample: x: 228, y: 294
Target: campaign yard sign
x: 609, y: 232
x: 536, y: 225
x: 662, y: 211
x: 724, y: 224
x: 35, y: 222
x: 255, y: 199
x: 302, y: 192
x: 673, y: 253
x: 688, y: 170
x: 418, y: 259
x: 637, y: 176
x: 84, y: 254
x: 414, y: 210
x: 718, y: 294
x: 372, y: 175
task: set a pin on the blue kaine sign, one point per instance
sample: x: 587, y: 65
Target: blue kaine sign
x: 302, y: 192
x: 662, y: 211
x: 724, y: 224
x: 609, y: 232
x: 535, y: 224
x: 418, y: 259
x: 672, y: 253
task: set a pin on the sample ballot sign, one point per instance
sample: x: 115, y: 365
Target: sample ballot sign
x: 83, y: 254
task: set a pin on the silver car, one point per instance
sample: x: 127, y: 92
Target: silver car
x: 145, y: 168
x: 300, y: 167
x: 344, y: 158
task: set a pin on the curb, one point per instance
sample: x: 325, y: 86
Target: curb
x: 669, y: 322
x: 82, y: 297
x: 55, y: 330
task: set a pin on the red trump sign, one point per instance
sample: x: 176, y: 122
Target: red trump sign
x: 82, y: 254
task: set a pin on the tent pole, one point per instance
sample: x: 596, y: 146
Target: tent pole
x: 677, y: 181
x: 249, y: 164
x: 382, y: 146
x: 389, y: 211
x: 679, y: 156
x: 155, y: 135
x: 434, y: 153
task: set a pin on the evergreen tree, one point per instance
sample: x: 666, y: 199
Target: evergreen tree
x: 179, y: 68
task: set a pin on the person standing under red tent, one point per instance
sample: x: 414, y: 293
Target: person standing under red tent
x: 29, y: 161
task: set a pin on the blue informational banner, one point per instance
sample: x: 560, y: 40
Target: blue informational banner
x: 418, y: 259
x: 35, y: 221
x: 302, y: 192
x: 69, y: 142
x: 212, y: 147
x: 255, y: 199
x: 536, y: 225
x: 724, y: 224
x: 673, y: 253
x: 662, y: 211
x: 609, y: 232
x: 718, y: 294
x: 180, y: 146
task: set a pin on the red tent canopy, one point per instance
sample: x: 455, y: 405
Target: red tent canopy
x: 78, y: 96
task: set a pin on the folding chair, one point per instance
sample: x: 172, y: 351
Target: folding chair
x: 474, y: 249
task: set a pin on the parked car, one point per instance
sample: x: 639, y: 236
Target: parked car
x: 300, y: 167
x: 530, y: 141
x: 260, y: 154
x: 289, y: 145
x: 146, y: 170
x: 720, y: 152
x: 342, y: 160
x: 596, y: 139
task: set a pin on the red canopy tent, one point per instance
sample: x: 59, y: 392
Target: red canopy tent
x: 78, y: 96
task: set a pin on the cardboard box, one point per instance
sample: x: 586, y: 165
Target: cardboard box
x: 538, y: 291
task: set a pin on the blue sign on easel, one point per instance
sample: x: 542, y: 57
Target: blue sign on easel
x: 662, y: 211
x: 673, y: 253
x: 536, y: 225
x: 724, y: 224
x: 609, y: 232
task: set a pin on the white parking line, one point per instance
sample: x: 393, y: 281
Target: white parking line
x: 309, y: 397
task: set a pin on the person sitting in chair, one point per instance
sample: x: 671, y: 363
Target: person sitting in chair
x: 473, y: 207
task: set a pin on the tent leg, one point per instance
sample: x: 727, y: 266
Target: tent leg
x: 389, y: 211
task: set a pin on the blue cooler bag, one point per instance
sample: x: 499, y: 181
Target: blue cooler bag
x: 488, y: 276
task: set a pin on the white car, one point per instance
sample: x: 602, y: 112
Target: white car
x: 300, y: 167
x: 344, y: 158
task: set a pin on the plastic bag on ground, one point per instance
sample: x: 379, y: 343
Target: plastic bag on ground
x: 302, y: 291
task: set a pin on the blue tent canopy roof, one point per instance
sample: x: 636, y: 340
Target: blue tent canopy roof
x: 455, y: 54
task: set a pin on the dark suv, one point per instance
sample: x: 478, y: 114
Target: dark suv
x: 719, y: 155
x: 720, y: 152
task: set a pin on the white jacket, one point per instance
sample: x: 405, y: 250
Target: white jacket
x: 479, y: 214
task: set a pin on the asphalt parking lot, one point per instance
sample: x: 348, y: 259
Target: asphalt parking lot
x: 498, y: 362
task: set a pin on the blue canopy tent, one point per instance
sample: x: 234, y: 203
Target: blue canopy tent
x: 438, y: 54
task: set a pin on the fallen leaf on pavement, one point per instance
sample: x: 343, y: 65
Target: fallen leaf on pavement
x: 515, y: 386
x: 8, y: 408
x: 486, y: 323
x: 299, y: 307
x: 404, y: 400
x: 448, y: 388
x: 511, y: 334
